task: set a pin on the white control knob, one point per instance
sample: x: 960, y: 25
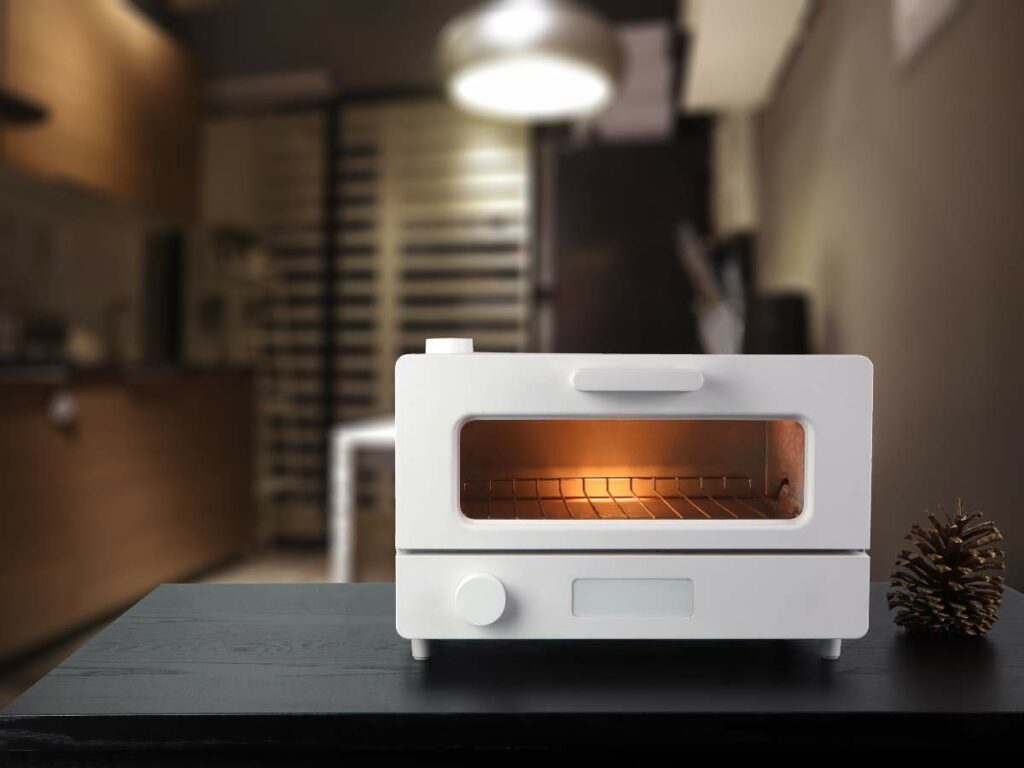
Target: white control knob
x: 449, y: 346
x: 480, y: 599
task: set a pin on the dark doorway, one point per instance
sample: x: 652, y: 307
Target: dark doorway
x: 619, y: 284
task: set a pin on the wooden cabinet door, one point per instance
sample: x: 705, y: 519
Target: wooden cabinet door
x: 122, y: 101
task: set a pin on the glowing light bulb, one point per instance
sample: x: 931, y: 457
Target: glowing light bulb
x: 532, y: 86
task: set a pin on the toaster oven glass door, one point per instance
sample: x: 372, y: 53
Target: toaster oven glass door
x: 632, y: 469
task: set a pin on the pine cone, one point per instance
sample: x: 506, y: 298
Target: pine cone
x: 948, y: 585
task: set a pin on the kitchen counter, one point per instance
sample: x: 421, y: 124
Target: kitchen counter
x: 69, y: 374
x: 303, y: 666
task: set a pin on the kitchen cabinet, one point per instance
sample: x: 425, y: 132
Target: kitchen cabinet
x: 147, y: 479
x: 123, y: 102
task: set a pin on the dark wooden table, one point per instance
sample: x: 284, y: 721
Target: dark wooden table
x: 244, y: 667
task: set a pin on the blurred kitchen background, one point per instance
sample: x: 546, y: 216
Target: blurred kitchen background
x: 221, y: 221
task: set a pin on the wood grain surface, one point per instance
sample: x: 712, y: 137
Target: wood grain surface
x: 152, y: 484
x: 123, y: 102
x: 312, y: 665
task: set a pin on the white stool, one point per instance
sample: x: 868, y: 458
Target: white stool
x: 346, y: 441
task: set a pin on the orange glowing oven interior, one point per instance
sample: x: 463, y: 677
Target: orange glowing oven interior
x: 632, y: 469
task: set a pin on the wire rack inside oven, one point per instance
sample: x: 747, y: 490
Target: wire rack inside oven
x: 726, y: 497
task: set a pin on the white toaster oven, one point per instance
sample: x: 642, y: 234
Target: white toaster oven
x: 631, y: 496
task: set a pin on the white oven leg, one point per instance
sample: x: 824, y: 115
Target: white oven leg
x: 829, y: 649
x: 421, y: 650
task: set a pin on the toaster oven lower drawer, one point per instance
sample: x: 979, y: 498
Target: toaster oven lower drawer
x: 632, y: 596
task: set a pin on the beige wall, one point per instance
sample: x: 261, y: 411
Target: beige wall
x: 895, y: 198
x: 230, y: 197
x: 232, y: 176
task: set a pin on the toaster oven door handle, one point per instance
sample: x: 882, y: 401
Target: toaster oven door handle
x: 637, y: 380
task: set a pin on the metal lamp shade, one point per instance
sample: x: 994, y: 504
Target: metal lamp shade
x: 530, y: 60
